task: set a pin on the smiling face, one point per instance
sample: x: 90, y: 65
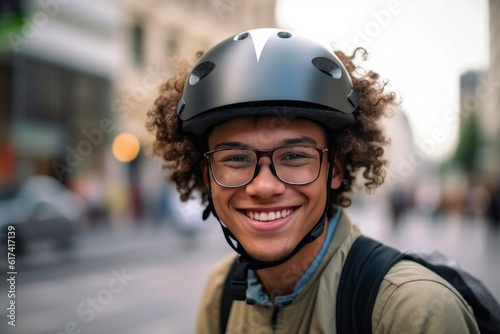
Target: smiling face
x: 267, y: 216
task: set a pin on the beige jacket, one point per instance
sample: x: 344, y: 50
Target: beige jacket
x: 411, y: 299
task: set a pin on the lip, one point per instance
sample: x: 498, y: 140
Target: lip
x: 268, y: 226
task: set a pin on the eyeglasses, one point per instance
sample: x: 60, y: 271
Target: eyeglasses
x: 294, y: 165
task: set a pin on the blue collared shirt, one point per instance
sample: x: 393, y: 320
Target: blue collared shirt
x: 256, y: 294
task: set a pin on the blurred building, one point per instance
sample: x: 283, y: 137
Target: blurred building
x: 472, y: 171
x: 56, y: 82
x: 492, y: 112
x: 471, y: 182
x: 480, y: 107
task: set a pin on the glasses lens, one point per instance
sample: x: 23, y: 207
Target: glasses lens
x: 297, y: 165
x: 233, y: 168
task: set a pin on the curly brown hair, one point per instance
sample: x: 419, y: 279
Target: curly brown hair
x: 360, y: 147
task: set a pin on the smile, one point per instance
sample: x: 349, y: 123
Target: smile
x: 269, y: 215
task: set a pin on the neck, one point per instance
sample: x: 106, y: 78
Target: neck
x: 281, y: 280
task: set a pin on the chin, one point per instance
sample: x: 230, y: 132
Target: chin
x: 270, y: 255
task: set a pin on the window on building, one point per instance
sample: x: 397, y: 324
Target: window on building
x: 46, y: 86
x: 84, y: 102
x: 52, y: 91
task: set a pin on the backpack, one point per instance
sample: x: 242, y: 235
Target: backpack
x: 368, y: 262
x: 366, y: 265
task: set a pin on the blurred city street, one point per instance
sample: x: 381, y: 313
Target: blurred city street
x: 149, y: 279
x: 109, y: 246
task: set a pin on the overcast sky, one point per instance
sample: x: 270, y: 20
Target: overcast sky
x: 422, y: 47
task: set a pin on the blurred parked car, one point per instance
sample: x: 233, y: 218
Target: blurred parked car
x: 41, y: 209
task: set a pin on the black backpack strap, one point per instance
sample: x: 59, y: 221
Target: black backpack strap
x: 366, y: 265
x: 227, y: 300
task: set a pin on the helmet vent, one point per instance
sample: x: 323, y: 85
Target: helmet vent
x: 200, y: 71
x: 241, y: 36
x: 327, y: 66
x: 284, y: 34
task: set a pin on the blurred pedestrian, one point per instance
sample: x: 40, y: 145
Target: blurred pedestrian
x: 398, y: 204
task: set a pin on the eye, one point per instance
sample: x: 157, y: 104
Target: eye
x: 237, y: 162
x: 293, y: 156
x: 237, y: 158
x: 234, y: 159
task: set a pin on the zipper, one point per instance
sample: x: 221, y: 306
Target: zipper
x: 274, y: 319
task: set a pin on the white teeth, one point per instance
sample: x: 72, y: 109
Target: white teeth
x: 268, y: 216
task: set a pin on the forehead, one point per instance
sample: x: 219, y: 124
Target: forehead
x: 266, y: 131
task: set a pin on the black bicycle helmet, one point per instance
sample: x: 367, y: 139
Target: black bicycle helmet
x: 282, y: 71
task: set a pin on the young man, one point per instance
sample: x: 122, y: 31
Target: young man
x: 272, y: 128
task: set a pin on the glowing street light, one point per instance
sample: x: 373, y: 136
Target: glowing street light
x: 125, y: 147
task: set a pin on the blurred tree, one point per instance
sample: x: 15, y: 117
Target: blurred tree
x: 11, y: 21
x: 469, y: 144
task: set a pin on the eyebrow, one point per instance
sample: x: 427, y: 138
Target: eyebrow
x: 235, y: 144
x: 285, y: 142
x: 298, y: 141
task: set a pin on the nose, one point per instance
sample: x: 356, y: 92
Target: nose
x: 265, y: 184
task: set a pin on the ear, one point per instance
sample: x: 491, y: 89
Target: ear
x: 338, y: 173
